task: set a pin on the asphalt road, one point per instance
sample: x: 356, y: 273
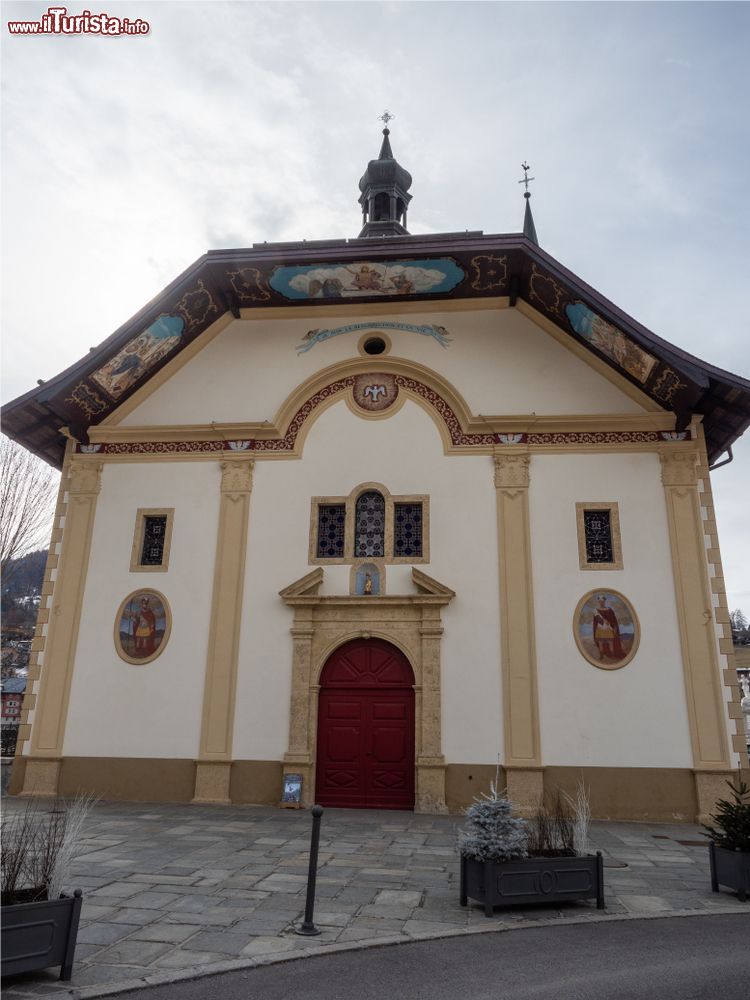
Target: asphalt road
x: 693, y: 958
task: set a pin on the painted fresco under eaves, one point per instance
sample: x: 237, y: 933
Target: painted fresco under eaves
x: 366, y: 278
x: 139, y: 355
x: 610, y: 341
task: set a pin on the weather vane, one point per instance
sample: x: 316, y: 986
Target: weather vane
x: 386, y: 117
x: 526, y: 179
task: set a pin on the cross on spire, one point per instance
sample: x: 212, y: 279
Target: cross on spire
x: 529, y: 229
x: 386, y: 117
x: 526, y: 179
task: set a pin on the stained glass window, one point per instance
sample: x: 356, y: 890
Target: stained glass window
x: 331, y: 522
x: 597, y: 529
x: 369, y: 532
x: 154, y: 536
x: 407, y: 530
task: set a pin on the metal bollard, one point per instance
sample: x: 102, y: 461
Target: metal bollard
x: 307, y: 927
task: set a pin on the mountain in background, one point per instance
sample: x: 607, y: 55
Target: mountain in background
x: 24, y: 576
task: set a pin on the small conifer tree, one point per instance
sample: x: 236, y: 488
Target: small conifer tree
x: 492, y: 833
x: 732, y: 817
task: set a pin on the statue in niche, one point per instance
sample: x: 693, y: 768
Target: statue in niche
x: 367, y: 580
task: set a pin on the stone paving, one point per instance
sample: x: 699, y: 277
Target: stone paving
x: 175, y: 891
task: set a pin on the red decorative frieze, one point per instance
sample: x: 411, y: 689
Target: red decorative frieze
x: 287, y: 442
x: 449, y: 417
x: 595, y: 437
x: 159, y: 447
x: 458, y: 438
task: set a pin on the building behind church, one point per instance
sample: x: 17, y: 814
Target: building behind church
x: 384, y: 513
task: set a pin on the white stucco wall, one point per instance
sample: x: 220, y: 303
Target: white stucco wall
x: 635, y: 716
x: 119, y: 709
x: 405, y: 454
x: 499, y: 360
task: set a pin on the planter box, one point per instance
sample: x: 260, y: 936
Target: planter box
x: 532, y: 880
x: 730, y: 868
x: 38, y: 935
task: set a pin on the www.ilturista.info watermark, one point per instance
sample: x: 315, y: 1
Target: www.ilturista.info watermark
x: 57, y: 21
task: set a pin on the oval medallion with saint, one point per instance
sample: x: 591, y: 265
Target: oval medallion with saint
x: 142, y: 626
x: 606, y: 629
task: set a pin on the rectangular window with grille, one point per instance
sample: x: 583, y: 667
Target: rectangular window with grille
x: 151, y: 540
x: 154, y: 534
x: 407, y: 530
x: 599, y: 545
x: 598, y: 532
x: 331, y: 531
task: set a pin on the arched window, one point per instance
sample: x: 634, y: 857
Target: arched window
x: 382, y: 209
x: 369, y: 529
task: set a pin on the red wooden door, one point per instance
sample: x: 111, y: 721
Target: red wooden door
x: 365, y: 754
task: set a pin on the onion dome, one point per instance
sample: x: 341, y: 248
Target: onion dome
x: 384, y: 198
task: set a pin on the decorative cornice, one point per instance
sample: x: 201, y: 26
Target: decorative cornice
x: 460, y: 428
x: 429, y: 585
x: 307, y: 585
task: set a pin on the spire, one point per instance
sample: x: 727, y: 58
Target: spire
x: 385, y: 149
x: 529, y: 229
x: 384, y: 186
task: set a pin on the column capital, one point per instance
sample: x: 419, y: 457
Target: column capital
x: 679, y: 467
x: 237, y: 475
x: 85, y: 477
x: 512, y: 470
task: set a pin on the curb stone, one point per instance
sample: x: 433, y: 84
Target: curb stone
x: 234, y: 965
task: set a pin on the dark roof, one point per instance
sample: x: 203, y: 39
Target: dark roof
x: 481, y: 267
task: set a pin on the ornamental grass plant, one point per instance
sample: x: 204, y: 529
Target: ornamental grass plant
x: 558, y: 828
x: 40, y: 842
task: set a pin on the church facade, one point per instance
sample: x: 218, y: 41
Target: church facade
x: 373, y: 517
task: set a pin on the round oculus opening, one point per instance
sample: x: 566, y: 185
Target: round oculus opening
x: 374, y: 345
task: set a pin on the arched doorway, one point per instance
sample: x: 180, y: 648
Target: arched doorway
x: 365, y: 757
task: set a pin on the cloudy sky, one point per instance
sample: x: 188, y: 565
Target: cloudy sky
x: 126, y: 158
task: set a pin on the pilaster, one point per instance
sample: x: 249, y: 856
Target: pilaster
x: 430, y: 762
x: 303, y: 705
x: 51, y: 708
x: 212, y: 782
x: 519, y: 680
x: 696, y: 618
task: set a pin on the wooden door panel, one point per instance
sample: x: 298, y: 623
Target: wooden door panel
x: 389, y: 710
x: 345, y: 708
x: 343, y: 744
x: 389, y: 746
x: 366, y: 728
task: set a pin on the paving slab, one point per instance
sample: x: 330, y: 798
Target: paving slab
x: 174, y: 890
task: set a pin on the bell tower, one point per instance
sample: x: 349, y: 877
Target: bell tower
x: 384, y: 186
